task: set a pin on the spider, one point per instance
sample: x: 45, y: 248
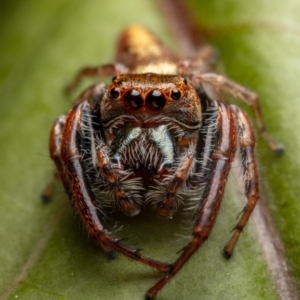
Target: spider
x: 151, y: 135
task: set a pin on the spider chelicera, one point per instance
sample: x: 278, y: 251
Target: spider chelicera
x: 155, y: 128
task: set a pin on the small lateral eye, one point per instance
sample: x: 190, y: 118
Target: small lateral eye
x: 114, y: 78
x: 175, y: 94
x: 114, y: 93
x: 184, y: 80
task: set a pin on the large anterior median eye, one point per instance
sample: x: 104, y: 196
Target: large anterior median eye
x: 133, y: 100
x: 155, y: 100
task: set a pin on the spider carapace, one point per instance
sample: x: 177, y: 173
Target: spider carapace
x: 156, y: 124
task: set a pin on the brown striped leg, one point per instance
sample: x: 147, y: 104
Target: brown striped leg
x: 213, y: 193
x: 128, y: 204
x: 166, y: 207
x: 250, y: 175
x: 204, y: 61
x: 48, y: 192
x: 64, y: 151
x: 222, y: 83
x: 54, y: 143
x: 95, y: 71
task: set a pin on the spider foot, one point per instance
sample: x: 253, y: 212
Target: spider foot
x: 48, y: 192
x: 279, y: 149
x: 165, y: 211
x: 227, y: 254
x: 68, y: 88
x: 276, y: 147
x: 130, y: 208
x: 112, y: 254
x: 45, y: 197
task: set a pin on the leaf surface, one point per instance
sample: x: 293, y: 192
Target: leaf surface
x: 45, y: 252
x: 259, y: 47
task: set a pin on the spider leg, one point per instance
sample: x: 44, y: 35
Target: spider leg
x: 250, y: 175
x: 48, y: 191
x: 203, y: 61
x: 95, y: 71
x: 129, y: 204
x: 223, y: 83
x: 55, y: 141
x: 210, y: 201
x: 166, y: 206
x: 64, y: 150
x: 110, y: 175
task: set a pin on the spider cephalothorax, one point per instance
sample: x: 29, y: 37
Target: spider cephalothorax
x: 150, y: 123
x: 153, y: 135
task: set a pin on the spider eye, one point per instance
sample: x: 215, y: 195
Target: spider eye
x: 114, y: 93
x: 184, y: 80
x: 133, y: 100
x: 155, y: 100
x: 175, y: 94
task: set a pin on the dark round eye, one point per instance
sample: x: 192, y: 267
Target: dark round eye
x: 175, y: 94
x: 155, y: 100
x: 114, y: 93
x: 184, y: 80
x: 133, y: 100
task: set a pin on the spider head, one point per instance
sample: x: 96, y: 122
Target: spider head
x: 149, y: 100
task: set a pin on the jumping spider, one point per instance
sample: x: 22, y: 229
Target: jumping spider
x: 155, y: 124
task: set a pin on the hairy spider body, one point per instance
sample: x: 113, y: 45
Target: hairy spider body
x: 155, y: 125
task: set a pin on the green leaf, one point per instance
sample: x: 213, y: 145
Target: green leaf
x: 259, y: 47
x: 45, y: 252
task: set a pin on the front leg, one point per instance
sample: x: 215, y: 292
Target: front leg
x: 64, y: 150
x: 209, y: 204
x: 249, y: 172
x: 165, y: 196
x: 54, y: 149
x: 111, y: 176
x: 95, y: 71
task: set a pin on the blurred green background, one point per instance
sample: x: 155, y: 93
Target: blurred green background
x: 45, y: 252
